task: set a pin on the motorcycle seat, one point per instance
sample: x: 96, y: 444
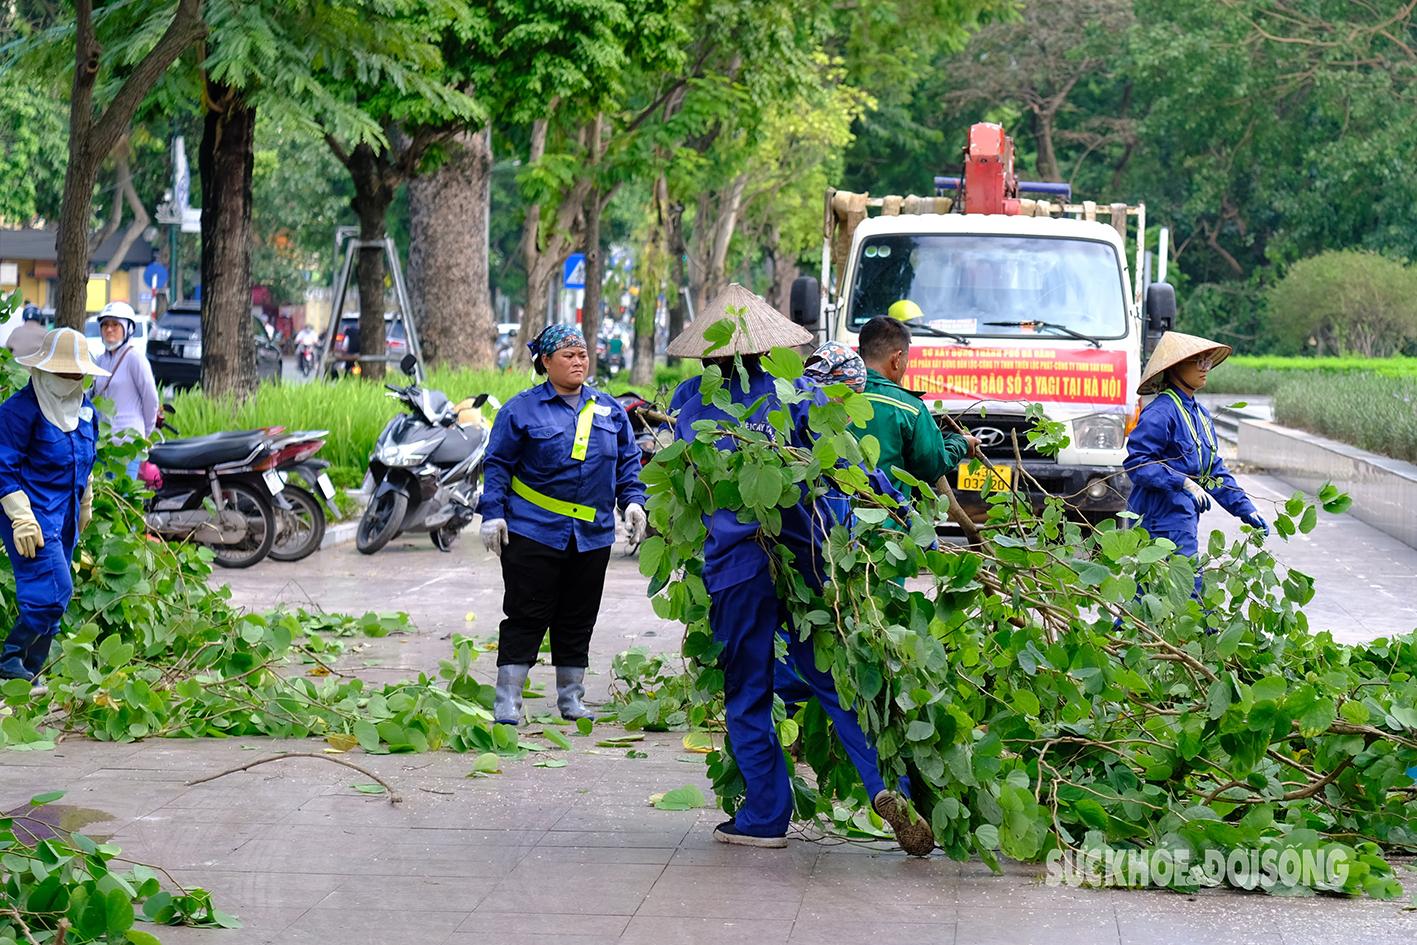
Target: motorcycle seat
x: 200, y: 452
x: 458, y: 444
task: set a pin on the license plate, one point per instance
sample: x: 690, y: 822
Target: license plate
x: 273, y: 481
x: 326, y: 487
x: 1003, y: 476
x: 192, y: 352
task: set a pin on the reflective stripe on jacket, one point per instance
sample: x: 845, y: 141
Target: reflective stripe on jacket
x: 535, y: 439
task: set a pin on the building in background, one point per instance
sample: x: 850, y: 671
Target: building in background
x: 27, y: 260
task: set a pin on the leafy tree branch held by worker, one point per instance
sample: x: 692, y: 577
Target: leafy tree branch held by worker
x: 1056, y: 689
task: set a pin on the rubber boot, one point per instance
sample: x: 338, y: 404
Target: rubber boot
x: 507, y: 704
x: 570, y: 687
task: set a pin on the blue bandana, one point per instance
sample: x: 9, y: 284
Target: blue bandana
x: 555, y: 337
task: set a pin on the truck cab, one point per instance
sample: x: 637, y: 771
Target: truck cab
x: 1027, y: 303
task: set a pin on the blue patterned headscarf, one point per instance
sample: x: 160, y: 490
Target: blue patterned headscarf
x: 835, y: 363
x: 555, y: 337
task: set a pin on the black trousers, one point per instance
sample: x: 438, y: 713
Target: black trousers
x: 546, y: 589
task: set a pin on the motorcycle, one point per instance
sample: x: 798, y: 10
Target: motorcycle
x: 300, y: 506
x: 305, y: 359
x: 235, y: 472
x: 653, y: 430
x: 426, y: 467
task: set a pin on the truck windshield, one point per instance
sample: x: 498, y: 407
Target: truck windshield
x: 962, y: 284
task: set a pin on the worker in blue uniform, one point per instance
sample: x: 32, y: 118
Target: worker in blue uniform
x: 48, y: 445
x: 560, y: 457
x: 745, y: 611
x: 1173, y: 458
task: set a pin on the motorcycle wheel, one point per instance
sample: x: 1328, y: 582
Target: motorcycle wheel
x: 443, y: 538
x: 300, y: 529
x: 381, y: 521
x: 246, y: 501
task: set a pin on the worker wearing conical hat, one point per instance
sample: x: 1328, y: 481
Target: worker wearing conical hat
x: 1172, y: 455
x: 48, y: 446
x: 745, y: 612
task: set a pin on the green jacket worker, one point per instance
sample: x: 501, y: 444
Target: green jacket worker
x: 902, y: 423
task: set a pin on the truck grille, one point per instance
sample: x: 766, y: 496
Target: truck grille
x: 996, y: 434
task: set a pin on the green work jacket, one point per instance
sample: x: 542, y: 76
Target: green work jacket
x: 908, y: 435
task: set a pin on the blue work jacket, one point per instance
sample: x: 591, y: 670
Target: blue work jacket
x: 50, y: 466
x: 1162, y: 454
x: 533, y: 439
x: 733, y: 551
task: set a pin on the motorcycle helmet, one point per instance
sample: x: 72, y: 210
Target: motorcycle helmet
x: 31, y: 313
x: 124, y: 313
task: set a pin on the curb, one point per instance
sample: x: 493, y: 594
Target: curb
x: 1384, y: 490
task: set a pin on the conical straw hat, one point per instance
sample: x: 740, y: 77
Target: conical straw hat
x: 63, y: 351
x: 767, y: 328
x: 1173, y: 348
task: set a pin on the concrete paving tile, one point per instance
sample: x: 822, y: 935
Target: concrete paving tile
x: 816, y: 932
x: 489, y: 862
x: 667, y: 930
x: 369, y: 891
x: 1018, y: 926
x: 794, y: 856
x: 259, y: 927
x: 258, y: 892
x: 254, y: 790
x: 537, y: 924
x: 472, y: 837
x: 1182, y: 929
x: 848, y: 896
x: 602, y: 856
x: 668, y: 838
x: 572, y: 889
x: 371, y: 927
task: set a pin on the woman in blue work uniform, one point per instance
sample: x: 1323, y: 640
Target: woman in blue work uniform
x: 1172, y: 455
x: 745, y: 612
x: 560, y: 457
x: 48, y: 442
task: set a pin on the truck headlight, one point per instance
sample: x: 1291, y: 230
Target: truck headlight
x: 1101, y: 431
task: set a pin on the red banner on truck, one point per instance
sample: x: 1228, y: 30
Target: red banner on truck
x: 1041, y: 375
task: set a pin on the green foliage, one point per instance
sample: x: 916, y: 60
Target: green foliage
x: 33, y: 152
x: 50, y: 875
x: 1264, y: 375
x: 1059, y: 688
x: 1345, y: 302
x: 1366, y: 410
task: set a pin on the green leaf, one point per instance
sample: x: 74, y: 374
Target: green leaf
x: 920, y: 731
x: 552, y: 763
x: 41, y: 799
x: 118, y: 906
x: 784, y: 363
x: 556, y: 738
x: 584, y: 726
x: 487, y: 763
x: 139, y: 937
x: 688, y: 797
x: 368, y: 788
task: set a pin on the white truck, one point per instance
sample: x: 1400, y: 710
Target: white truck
x: 1011, y: 301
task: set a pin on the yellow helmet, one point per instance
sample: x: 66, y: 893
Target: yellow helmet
x: 905, y: 310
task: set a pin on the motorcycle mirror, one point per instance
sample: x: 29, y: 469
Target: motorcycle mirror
x: 408, y: 363
x: 479, y: 400
x: 168, y: 408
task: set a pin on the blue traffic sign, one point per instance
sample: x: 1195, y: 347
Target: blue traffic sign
x: 573, y: 272
x: 155, y: 276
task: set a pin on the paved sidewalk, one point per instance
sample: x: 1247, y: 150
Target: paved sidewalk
x: 575, y: 855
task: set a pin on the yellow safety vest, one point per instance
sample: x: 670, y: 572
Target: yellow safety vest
x: 579, y: 447
x: 1207, y: 429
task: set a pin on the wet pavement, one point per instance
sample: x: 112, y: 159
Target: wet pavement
x: 576, y: 854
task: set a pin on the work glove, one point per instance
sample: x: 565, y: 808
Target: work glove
x: 28, y: 537
x: 494, y: 535
x: 636, y: 523
x: 1198, y: 495
x: 86, y: 506
x: 1256, y: 522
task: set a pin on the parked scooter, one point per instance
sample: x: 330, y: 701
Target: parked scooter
x: 234, y: 472
x: 653, y: 430
x: 300, y: 506
x: 426, y: 468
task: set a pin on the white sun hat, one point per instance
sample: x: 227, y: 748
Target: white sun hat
x: 63, y: 351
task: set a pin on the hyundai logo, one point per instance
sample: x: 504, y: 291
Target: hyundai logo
x: 988, y: 436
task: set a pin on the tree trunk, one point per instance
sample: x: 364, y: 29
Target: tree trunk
x: 448, y: 282
x: 91, y: 138
x: 140, y: 216
x: 372, y: 196
x: 1047, y: 157
x: 225, y: 165
x: 590, y: 308
x: 674, y: 239
x: 784, y: 271
x: 717, y: 239
x: 642, y: 371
